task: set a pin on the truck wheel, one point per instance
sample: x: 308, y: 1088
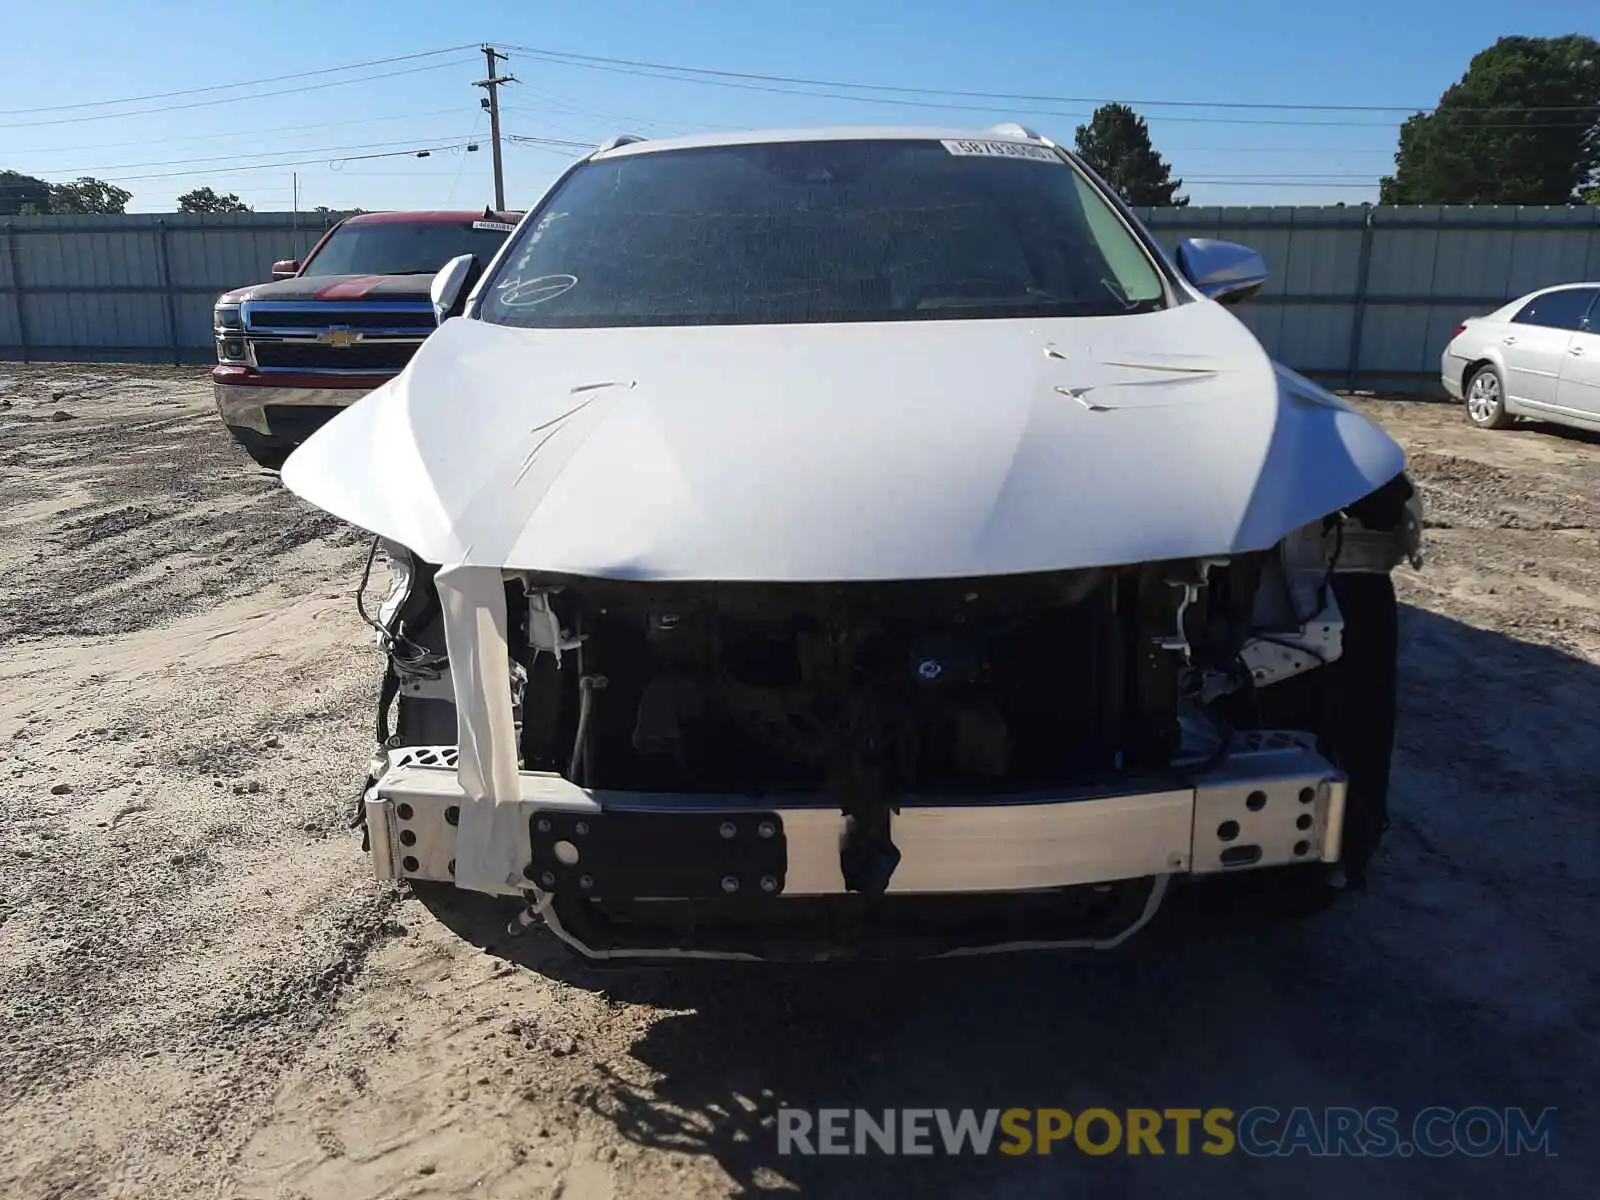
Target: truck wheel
x: 264, y: 451
x: 270, y: 457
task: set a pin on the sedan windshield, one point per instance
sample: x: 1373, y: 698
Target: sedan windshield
x: 823, y: 231
x: 401, y: 247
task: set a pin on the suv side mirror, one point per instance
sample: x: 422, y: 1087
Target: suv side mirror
x: 286, y: 268
x: 1225, y: 271
x: 450, y: 285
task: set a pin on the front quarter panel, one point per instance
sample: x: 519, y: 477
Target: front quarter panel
x: 1323, y: 456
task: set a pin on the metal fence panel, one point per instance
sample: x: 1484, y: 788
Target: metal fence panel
x: 1357, y: 296
x: 134, y: 288
x: 11, y: 334
x: 63, y: 321
x: 193, y: 314
x: 1369, y: 296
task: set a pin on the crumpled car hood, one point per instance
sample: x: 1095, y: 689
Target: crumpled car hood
x: 873, y: 451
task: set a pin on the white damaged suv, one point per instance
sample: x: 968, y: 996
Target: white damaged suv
x: 865, y: 542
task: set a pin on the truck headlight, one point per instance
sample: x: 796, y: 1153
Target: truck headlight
x: 233, y: 352
x: 227, y: 316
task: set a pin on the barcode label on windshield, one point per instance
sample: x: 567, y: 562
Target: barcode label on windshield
x: 1002, y: 150
x: 502, y: 226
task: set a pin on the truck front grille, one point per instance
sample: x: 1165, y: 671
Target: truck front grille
x: 307, y: 355
x: 386, y: 317
x: 376, y: 337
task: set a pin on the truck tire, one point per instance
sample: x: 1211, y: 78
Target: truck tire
x: 266, y: 452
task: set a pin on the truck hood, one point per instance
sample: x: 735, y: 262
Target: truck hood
x: 838, y: 452
x: 335, y: 287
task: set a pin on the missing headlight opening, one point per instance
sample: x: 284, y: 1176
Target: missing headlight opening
x: 688, y: 735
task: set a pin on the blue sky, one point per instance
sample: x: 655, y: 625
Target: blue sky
x: 1361, y: 52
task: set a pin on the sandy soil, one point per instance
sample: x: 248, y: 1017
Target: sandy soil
x: 202, y: 992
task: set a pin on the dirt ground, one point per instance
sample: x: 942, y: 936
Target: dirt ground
x: 204, y: 994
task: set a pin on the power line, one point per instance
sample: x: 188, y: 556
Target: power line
x: 925, y: 104
x: 1214, y: 177
x: 1323, y: 151
x: 1296, y: 181
x: 608, y: 123
x: 545, y: 120
x: 720, y: 79
x: 1309, y: 177
x: 246, y: 134
x: 1299, y: 180
x: 333, y: 163
x: 179, y: 162
x: 600, y: 60
x: 310, y: 87
x: 632, y: 122
x: 461, y: 165
x: 549, y: 101
x: 569, y: 143
x: 222, y: 87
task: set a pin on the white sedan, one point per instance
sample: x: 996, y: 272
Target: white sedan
x: 1538, y: 356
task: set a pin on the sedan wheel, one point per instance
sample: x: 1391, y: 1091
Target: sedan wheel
x: 1486, y: 401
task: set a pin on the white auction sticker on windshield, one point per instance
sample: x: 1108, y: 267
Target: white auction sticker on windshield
x: 502, y: 226
x: 1002, y: 150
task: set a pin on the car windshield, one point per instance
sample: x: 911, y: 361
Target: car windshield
x: 401, y: 247
x: 823, y: 231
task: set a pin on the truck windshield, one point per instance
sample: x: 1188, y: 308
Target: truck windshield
x: 823, y: 231
x: 401, y: 247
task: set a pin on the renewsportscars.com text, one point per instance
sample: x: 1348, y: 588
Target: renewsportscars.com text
x: 1259, y: 1132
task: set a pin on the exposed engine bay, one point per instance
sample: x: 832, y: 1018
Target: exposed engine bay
x: 866, y: 695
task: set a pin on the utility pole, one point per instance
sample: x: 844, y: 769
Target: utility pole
x: 492, y: 103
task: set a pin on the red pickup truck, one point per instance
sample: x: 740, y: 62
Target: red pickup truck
x: 329, y: 329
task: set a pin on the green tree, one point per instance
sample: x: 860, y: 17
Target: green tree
x: 204, y: 200
x: 22, y: 194
x: 1116, y: 143
x: 1522, y: 126
x: 87, y: 195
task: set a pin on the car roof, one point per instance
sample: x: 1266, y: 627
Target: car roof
x: 434, y: 215
x: 1000, y: 133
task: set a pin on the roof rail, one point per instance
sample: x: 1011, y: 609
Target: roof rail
x: 622, y: 139
x: 1015, y: 130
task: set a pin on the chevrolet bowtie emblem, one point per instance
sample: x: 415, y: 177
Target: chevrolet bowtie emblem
x: 340, y: 336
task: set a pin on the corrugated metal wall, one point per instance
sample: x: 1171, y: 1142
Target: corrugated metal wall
x: 1359, y: 297
x: 1368, y: 297
x: 133, y: 288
